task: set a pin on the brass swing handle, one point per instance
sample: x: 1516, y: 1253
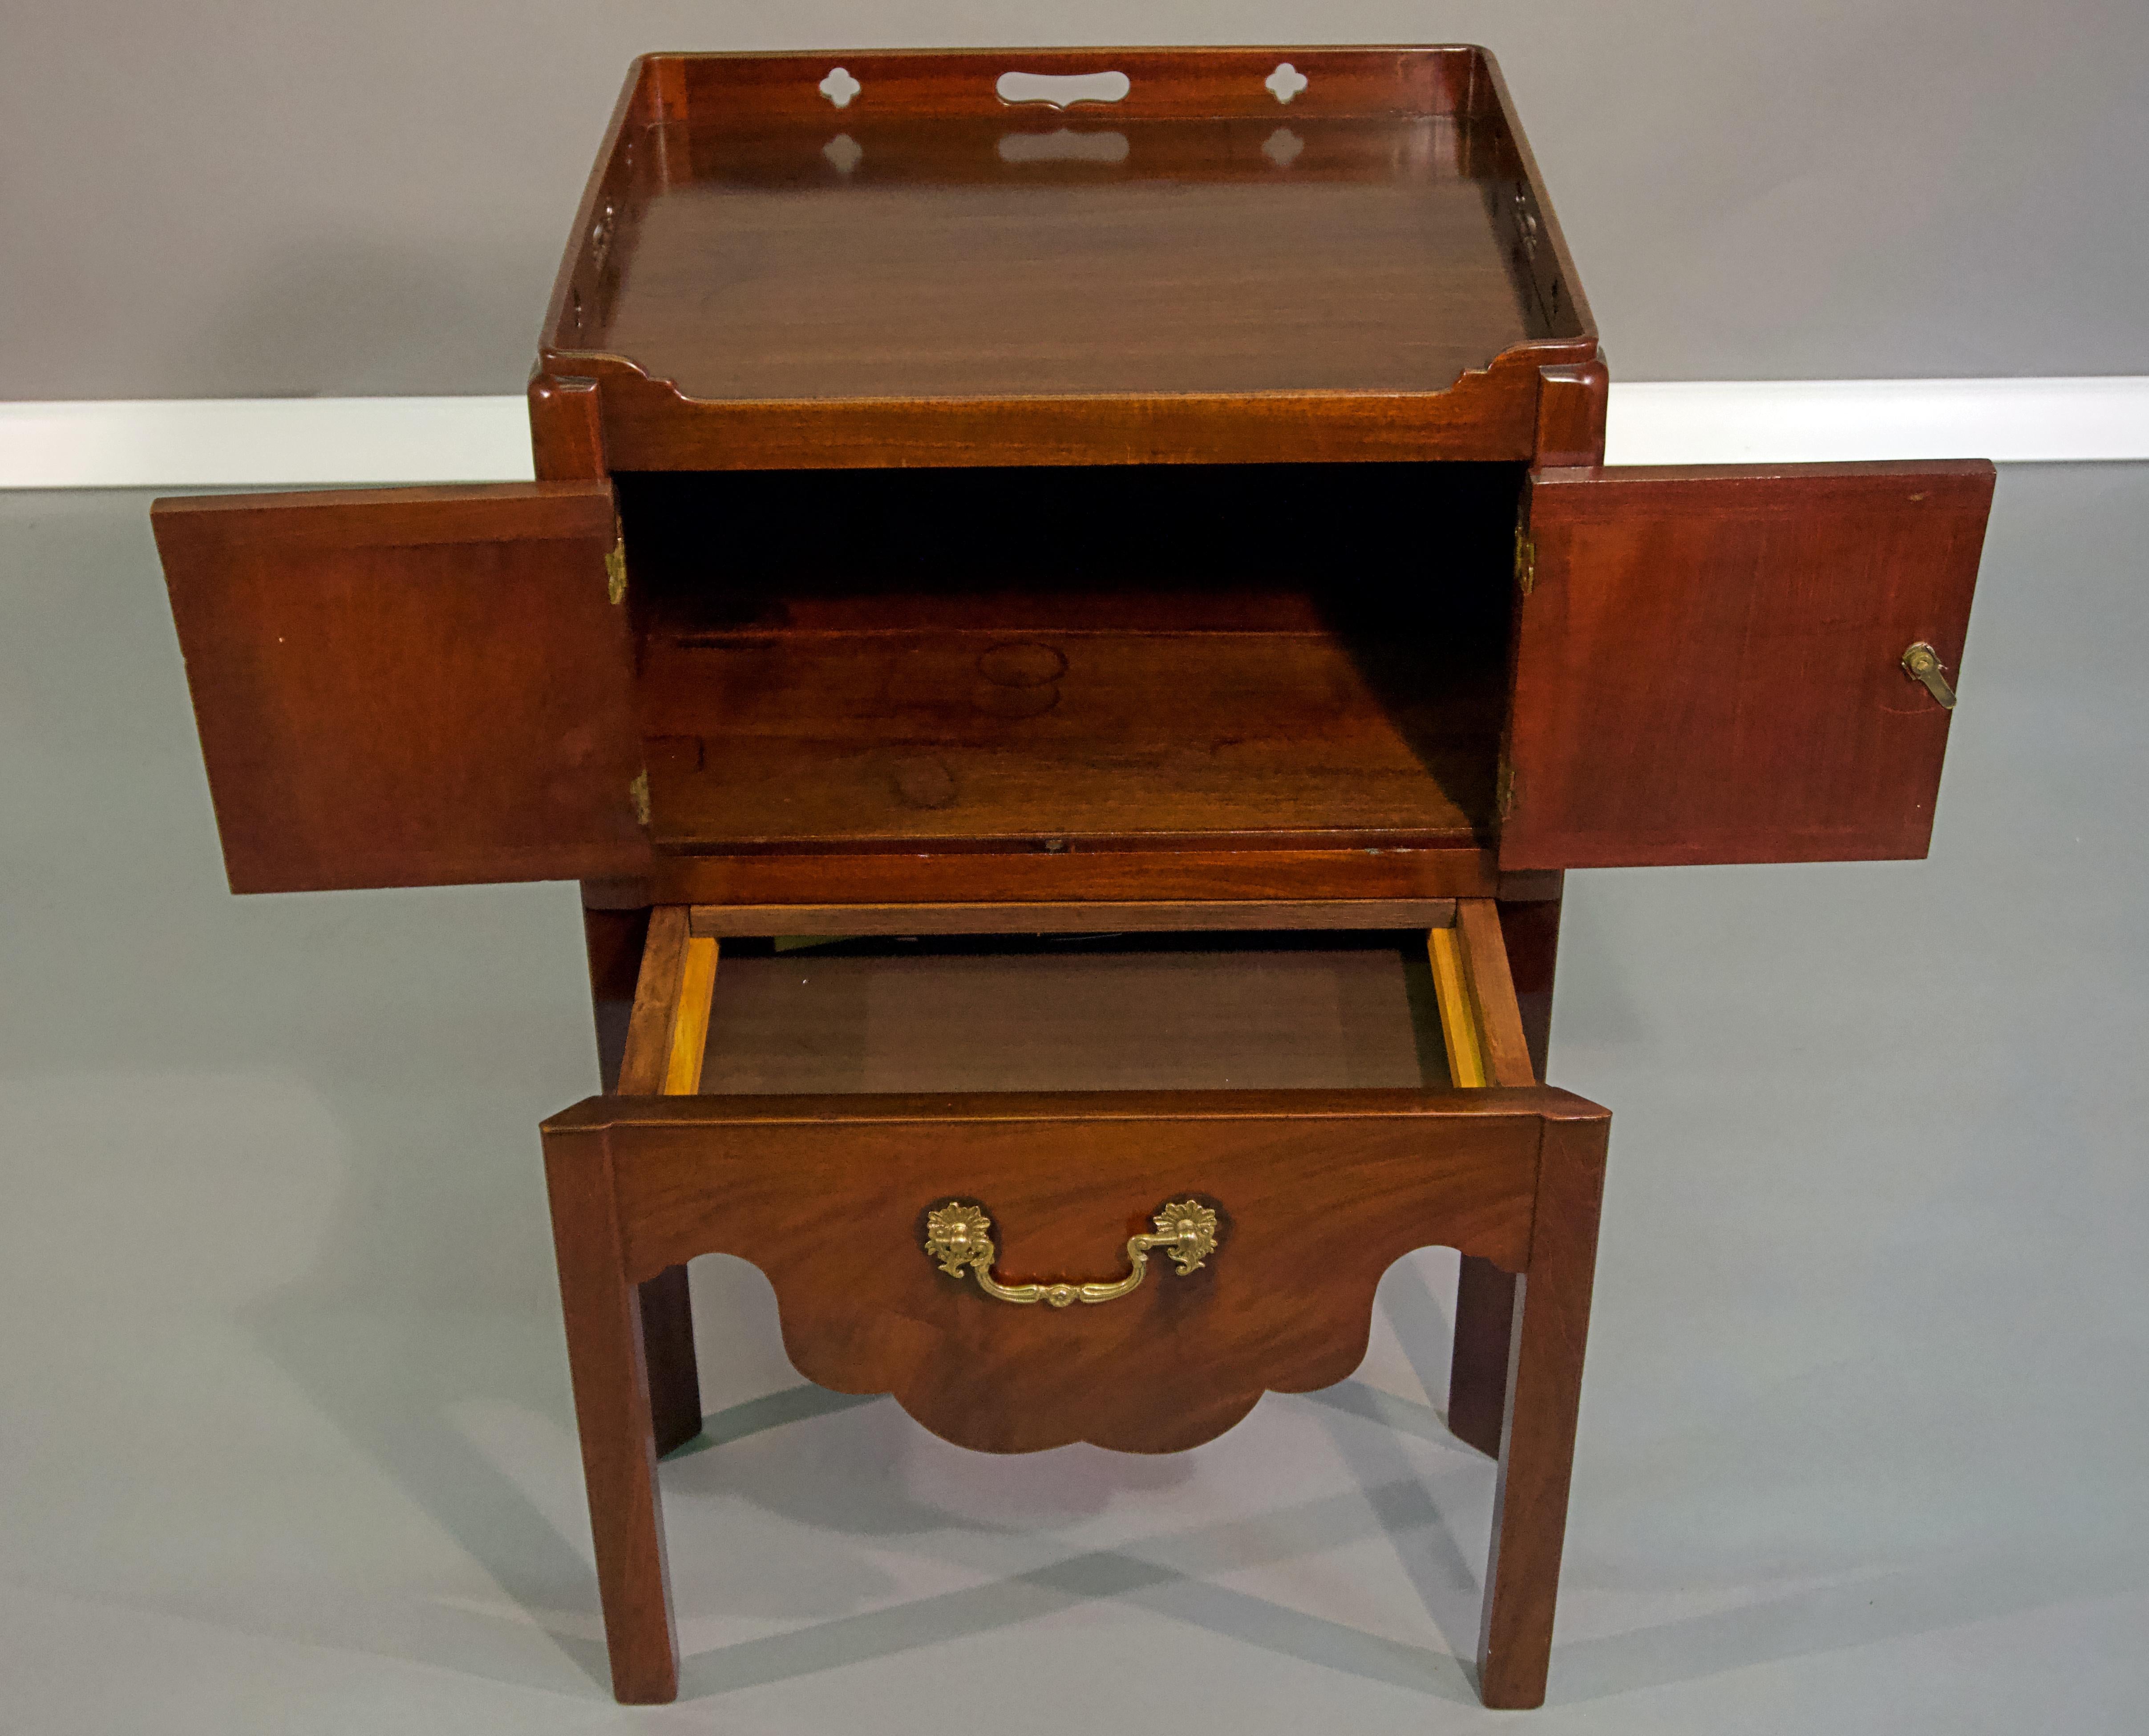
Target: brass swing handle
x: 960, y: 1238
x: 1922, y: 663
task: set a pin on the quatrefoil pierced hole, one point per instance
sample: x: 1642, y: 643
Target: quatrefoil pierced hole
x: 839, y: 87
x: 843, y: 152
x: 1286, y: 81
x: 1283, y: 147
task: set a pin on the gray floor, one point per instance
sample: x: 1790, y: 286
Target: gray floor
x: 285, y: 1435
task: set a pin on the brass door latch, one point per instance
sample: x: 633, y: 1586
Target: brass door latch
x: 960, y: 1238
x: 1922, y: 663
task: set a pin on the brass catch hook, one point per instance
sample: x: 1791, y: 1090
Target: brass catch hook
x: 1922, y: 663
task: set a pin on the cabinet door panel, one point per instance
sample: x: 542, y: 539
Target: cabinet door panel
x: 409, y: 686
x: 1708, y: 661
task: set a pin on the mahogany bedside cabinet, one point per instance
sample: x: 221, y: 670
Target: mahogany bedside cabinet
x: 1146, y: 493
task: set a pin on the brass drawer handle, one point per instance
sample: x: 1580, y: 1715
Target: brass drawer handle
x: 1922, y: 663
x: 960, y: 1238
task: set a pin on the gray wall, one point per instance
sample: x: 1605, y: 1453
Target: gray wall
x: 236, y: 198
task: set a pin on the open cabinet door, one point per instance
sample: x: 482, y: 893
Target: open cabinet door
x: 409, y: 687
x: 1709, y: 661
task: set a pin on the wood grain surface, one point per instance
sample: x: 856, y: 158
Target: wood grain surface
x: 997, y: 281
x: 408, y: 687
x: 566, y: 429
x: 1167, y: 873
x: 672, y: 999
x: 1492, y: 991
x: 907, y: 738
x: 1543, y: 1404
x: 651, y: 425
x: 1319, y: 1192
x: 690, y: 1028
x: 1529, y: 927
x: 1709, y: 665
x: 603, y: 1315
x: 1100, y: 917
x: 1478, y: 1358
x: 930, y: 276
x: 1402, y: 169
x: 1485, y: 1294
x: 1174, y: 83
x: 1106, y: 1013
x: 1459, y: 1024
x: 1571, y: 414
x: 655, y: 1003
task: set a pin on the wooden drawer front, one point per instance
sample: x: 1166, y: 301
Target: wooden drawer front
x: 1315, y: 1193
x: 1026, y: 1268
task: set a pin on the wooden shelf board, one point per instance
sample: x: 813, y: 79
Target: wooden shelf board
x: 895, y: 737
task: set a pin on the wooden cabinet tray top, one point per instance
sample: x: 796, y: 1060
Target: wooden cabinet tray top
x: 1069, y: 492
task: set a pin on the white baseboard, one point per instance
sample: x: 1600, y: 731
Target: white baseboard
x: 263, y: 442
x: 276, y: 442
x: 1819, y: 421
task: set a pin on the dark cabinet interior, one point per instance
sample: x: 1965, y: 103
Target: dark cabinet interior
x: 1051, y: 657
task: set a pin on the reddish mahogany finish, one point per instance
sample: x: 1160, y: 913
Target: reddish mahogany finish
x: 1317, y: 1192
x: 1485, y: 1293
x: 928, y: 275
x: 408, y: 687
x: 1709, y: 661
x: 1179, y: 513
x: 1284, y: 1304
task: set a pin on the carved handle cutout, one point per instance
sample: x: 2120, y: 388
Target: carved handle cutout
x: 959, y: 1237
x: 1061, y: 89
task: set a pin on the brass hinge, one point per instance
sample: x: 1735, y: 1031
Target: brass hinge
x: 637, y: 795
x: 1505, y: 792
x: 616, y: 570
x: 1526, y: 561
